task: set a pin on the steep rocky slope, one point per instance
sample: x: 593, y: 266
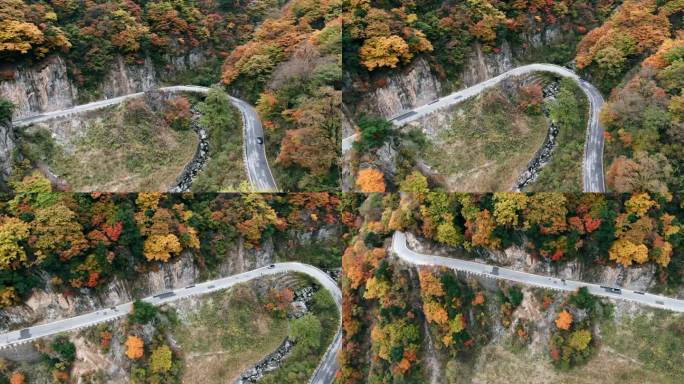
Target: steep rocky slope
x: 46, y: 86
x: 48, y: 305
x: 7, y: 144
x: 418, y: 84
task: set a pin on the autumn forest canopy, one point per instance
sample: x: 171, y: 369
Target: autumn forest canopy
x: 93, y: 33
x: 383, y: 34
x: 314, y: 71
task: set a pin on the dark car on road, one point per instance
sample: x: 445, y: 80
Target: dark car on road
x: 612, y: 289
x: 260, y: 140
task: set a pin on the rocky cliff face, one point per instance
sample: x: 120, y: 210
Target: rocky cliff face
x: 480, y: 66
x: 412, y: 87
x: 40, y: 88
x: 417, y: 85
x: 46, y: 86
x: 48, y: 305
x: 7, y: 144
x: 636, y: 277
x: 123, y: 79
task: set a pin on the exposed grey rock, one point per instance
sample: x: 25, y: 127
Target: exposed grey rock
x: 50, y: 305
x: 543, y: 155
x: 123, y: 79
x: 7, y: 145
x: 268, y: 364
x: 635, y: 277
x: 179, y: 273
x: 46, y: 86
x: 414, y: 86
x: 40, y: 88
x: 480, y: 66
x: 199, y: 160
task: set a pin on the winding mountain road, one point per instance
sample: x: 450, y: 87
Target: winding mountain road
x: 592, y: 165
x: 401, y: 249
x: 256, y: 163
x: 324, y: 373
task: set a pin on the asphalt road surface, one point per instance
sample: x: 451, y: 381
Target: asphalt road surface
x: 592, y: 165
x: 400, y: 248
x: 258, y: 171
x: 324, y: 374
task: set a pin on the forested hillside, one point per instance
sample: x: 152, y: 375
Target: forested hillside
x: 411, y: 323
x: 631, y: 50
x: 283, y: 57
x: 92, y: 33
x: 291, y: 69
x: 640, y: 52
x: 388, y: 35
x: 82, y: 241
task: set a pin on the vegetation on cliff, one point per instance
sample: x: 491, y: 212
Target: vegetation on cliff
x: 92, y: 34
x: 82, y: 241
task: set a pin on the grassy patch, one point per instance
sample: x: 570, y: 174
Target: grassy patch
x: 487, y: 144
x: 120, y: 150
x: 655, y: 339
x: 645, y: 348
x: 563, y: 173
x: 499, y: 365
x: 230, y: 332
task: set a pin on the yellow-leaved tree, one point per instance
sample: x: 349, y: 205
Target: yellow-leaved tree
x: 161, y: 247
x: 384, y: 51
x: 625, y: 252
x: 12, y: 231
x: 160, y: 361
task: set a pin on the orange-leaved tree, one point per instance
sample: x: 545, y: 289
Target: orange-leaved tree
x: 134, y: 347
x: 17, y: 378
x: 370, y: 180
x: 564, y: 320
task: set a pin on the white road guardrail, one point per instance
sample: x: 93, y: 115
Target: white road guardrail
x: 401, y: 249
